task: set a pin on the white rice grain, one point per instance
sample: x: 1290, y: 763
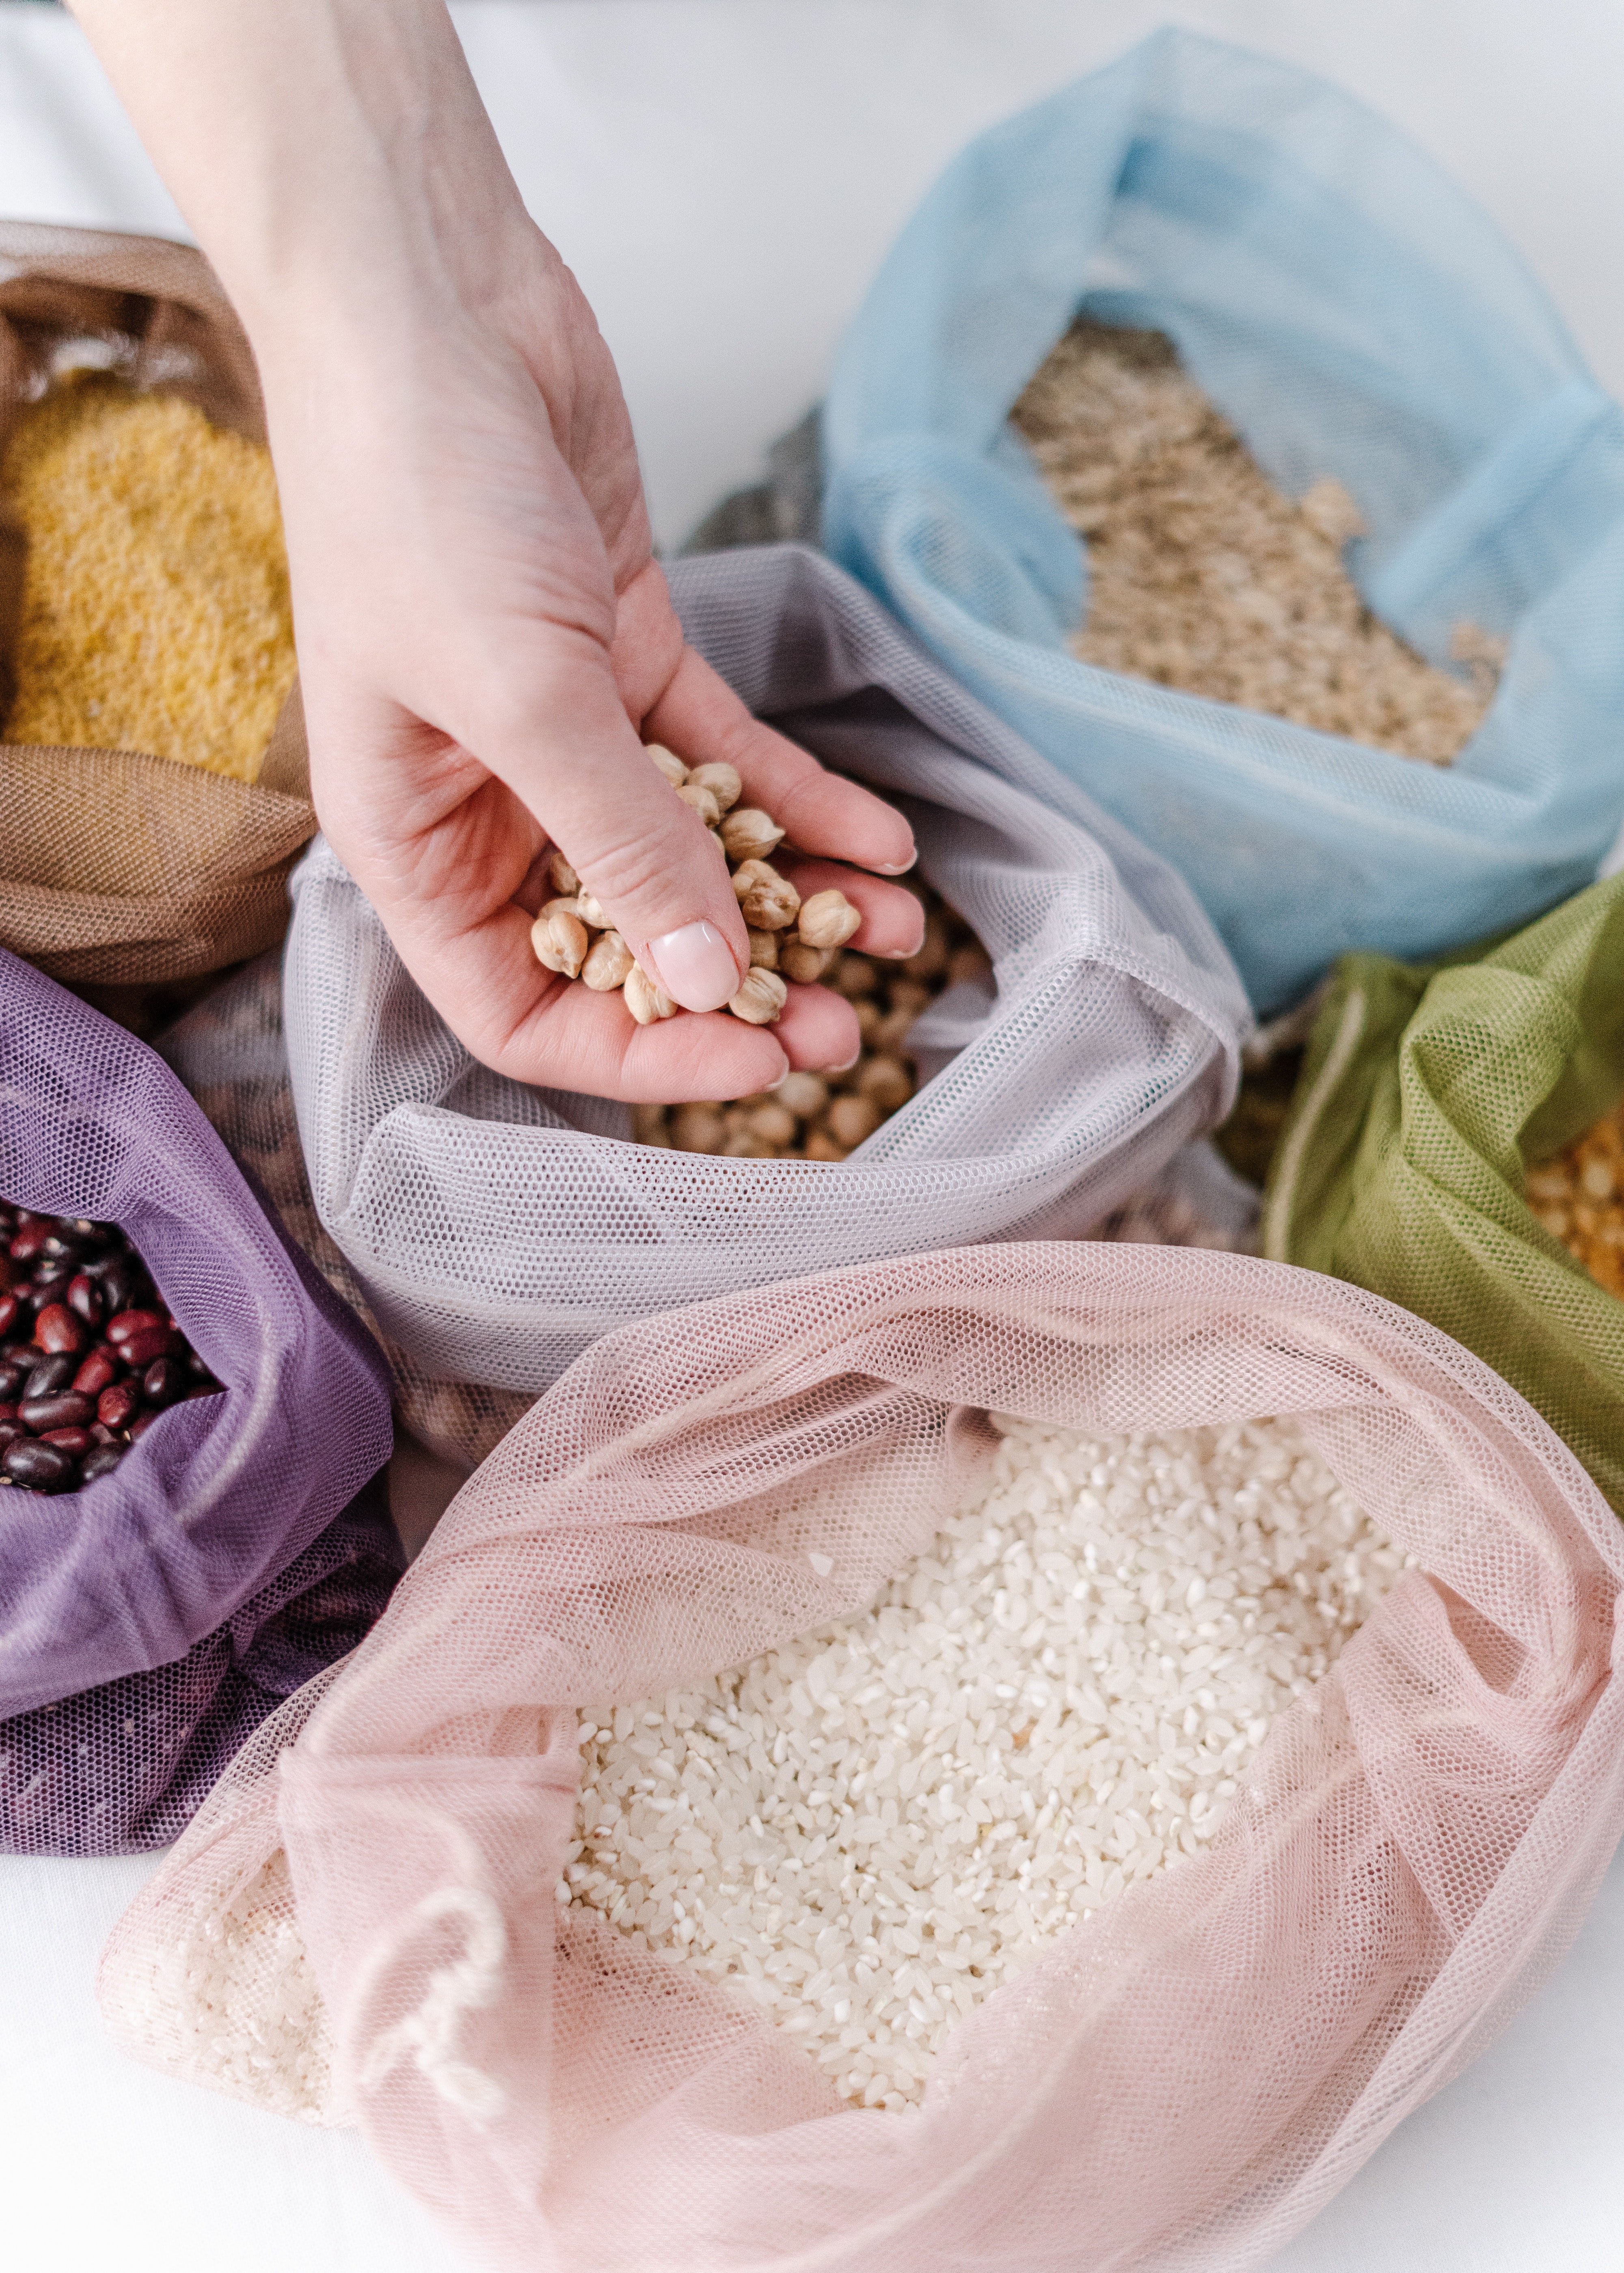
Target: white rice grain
x: 870, y: 1830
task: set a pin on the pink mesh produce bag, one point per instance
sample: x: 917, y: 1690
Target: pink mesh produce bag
x: 494, y: 1230
x: 151, y: 1619
x: 361, y: 1925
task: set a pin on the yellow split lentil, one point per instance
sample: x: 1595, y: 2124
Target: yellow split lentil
x: 1579, y: 1197
x: 156, y: 606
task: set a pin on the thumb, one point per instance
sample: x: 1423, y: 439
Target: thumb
x: 644, y: 854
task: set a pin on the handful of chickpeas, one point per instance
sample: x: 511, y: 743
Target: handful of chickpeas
x: 813, y: 1116
x: 790, y: 938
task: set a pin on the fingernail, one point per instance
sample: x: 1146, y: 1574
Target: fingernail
x: 695, y: 966
x: 845, y: 1064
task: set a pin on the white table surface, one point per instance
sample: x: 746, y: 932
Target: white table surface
x: 724, y: 174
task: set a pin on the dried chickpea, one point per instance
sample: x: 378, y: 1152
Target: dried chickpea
x: 767, y: 901
x: 698, y: 1128
x: 648, y: 1125
x: 775, y: 1124
x: 851, y: 1119
x: 559, y: 939
x: 608, y: 963
x: 931, y: 959
x: 804, y: 1094
x: 827, y: 920
x: 968, y: 964
x: 703, y: 800
x: 566, y: 883
x: 761, y: 999
x: 764, y: 951
x: 646, y: 999
x: 803, y: 963
x: 886, y: 1082
x: 721, y: 780
x: 749, y: 835
x: 668, y: 763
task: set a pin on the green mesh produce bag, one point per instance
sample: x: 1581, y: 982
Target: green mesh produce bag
x: 1426, y: 1092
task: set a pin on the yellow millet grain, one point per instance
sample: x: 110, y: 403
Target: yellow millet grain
x: 1202, y: 576
x: 1579, y: 1197
x: 156, y: 607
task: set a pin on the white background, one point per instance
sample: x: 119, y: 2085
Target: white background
x: 724, y: 175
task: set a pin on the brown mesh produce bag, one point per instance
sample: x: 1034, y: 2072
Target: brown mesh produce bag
x: 120, y: 871
x: 363, y: 1923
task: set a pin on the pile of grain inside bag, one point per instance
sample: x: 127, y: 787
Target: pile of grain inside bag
x: 871, y: 1830
x: 156, y: 613
x: 1204, y: 576
x: 1579, y: 1199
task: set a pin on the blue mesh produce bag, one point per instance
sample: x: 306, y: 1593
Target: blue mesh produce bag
x: 1352, y: 314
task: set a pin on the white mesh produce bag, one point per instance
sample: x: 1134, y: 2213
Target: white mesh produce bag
x: 495, y: 1230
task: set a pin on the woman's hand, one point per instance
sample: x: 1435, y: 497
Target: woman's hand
x: 484, y: 638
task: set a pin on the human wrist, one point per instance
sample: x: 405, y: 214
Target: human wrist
x: 330, y: 153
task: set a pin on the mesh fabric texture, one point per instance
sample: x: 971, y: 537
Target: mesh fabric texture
x: 231, y: 1052
x: 1352, y: 314
x: 122, y: 1768
x: 361, y: 1922
x: 118, y: 868
x: 208, y: 1509
x: 1425, y: 1093
x: 495, y: 1230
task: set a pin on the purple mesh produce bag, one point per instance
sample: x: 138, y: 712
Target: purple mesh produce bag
x: 222, y: 1562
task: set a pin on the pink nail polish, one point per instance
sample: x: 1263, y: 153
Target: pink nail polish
x: 695, y: 966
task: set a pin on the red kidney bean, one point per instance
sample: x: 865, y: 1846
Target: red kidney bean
x: 57, y: 1329
x: 61, y: 1410
x: 140, y: 1349
x: 49, y: 1374
x: 44, y: 1467
x: 106, y: 1353
x: 98, y: 1369
x: 162, y: 1382
x: 119, y: 1285
x: 75, y: 1441
x: 118, y: 1405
